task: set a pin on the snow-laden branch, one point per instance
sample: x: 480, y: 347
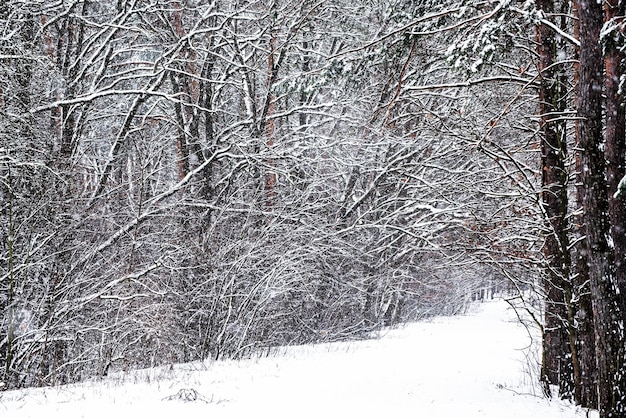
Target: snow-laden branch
x: 474, y: 82
x: 129, y: 226
x: 621, y: 189
x: 409, y: 26
x: 105, y: 93
x: 101, y: 293
x: 560, y: 32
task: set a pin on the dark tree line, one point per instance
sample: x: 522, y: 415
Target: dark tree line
x: 584, y: 311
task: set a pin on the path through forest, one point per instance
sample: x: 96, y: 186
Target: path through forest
x: 467, y: 366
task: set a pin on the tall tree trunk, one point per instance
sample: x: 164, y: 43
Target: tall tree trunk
x: 274, y: 61
x: 270, y: 126
x: 615, y: 147
x: 586, y: 391
x: 608, y: 323
x: 557, y: 367
x: 179, y: 84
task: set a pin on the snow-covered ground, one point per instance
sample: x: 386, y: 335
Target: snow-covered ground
x: 467, y: 366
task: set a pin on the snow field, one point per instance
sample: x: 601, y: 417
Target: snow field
x: 468, y: 366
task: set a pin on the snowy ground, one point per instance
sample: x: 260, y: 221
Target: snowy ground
x: 469, y: 366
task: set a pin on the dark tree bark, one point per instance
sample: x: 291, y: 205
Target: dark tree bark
x: 557, y: 367
x: 608, y: 321
x: 615, y: 146
x: 585, y: 393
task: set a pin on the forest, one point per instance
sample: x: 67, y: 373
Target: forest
x: 194, y: 179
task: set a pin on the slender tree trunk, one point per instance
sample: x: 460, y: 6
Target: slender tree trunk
x: 179, y: 84
x: 182, y: 150
x: 273, y: 66
x: 270, y: 127
x: 608, y: 323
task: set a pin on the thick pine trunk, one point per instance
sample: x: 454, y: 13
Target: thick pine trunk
x: 608, y: 321
x: 557, y: 367
x: 615, y: 149
x: 586, y: 391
